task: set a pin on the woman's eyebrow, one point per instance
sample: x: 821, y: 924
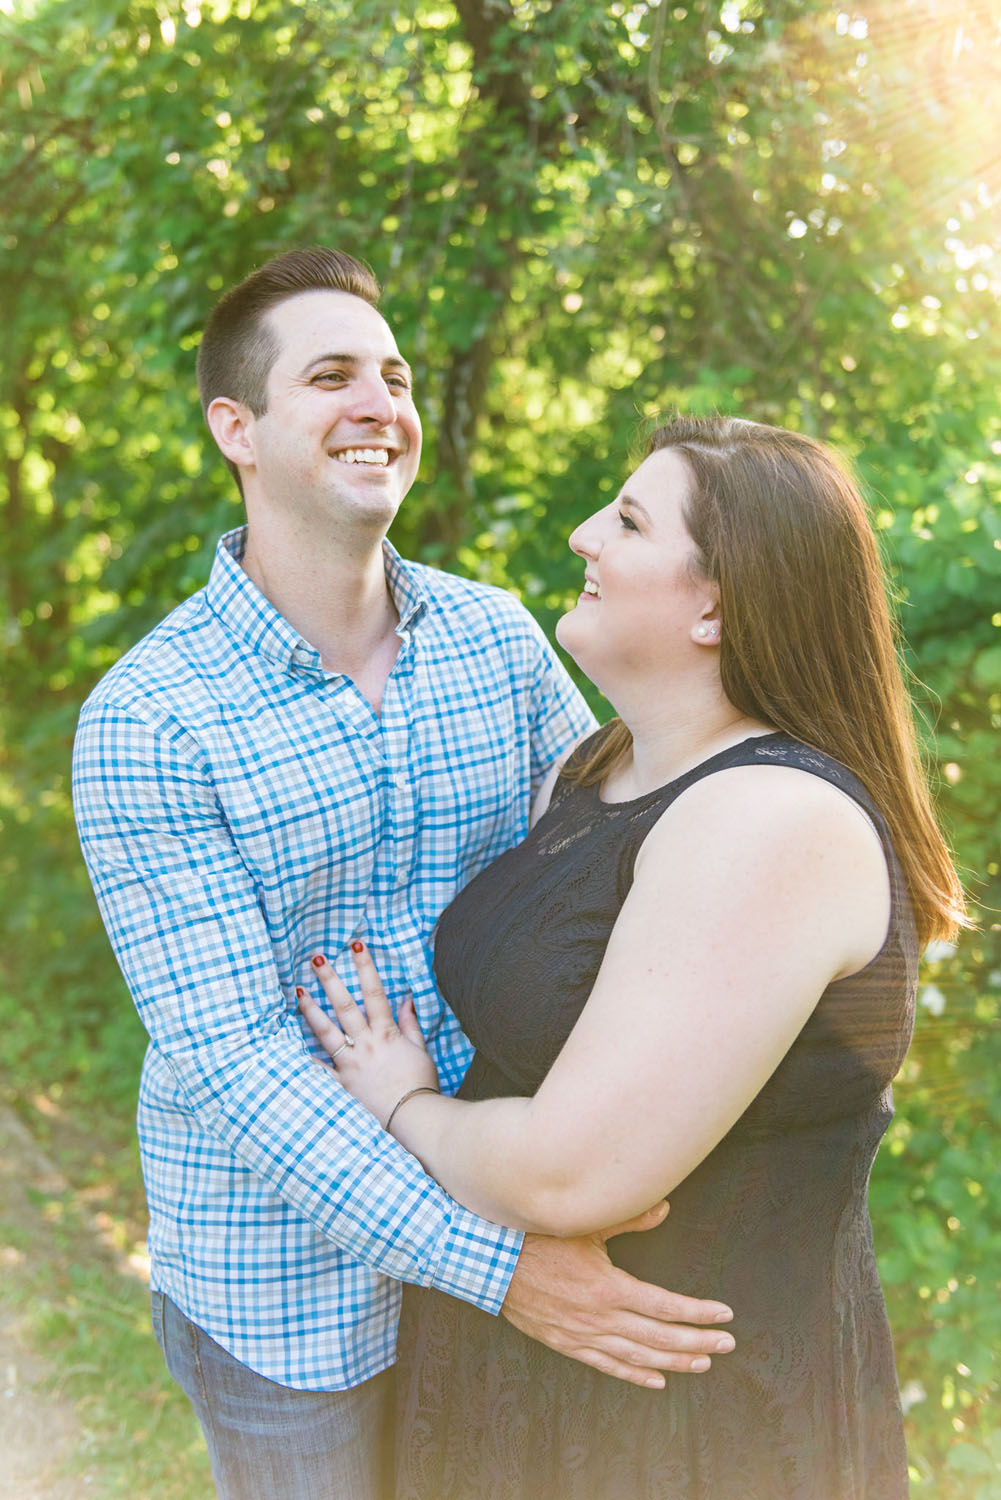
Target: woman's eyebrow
x: 630, y: 504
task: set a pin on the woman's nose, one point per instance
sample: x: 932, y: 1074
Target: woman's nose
x: 584, y: 538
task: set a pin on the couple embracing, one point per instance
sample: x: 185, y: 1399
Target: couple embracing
x: 675, y: 956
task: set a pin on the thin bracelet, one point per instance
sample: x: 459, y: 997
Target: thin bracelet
x: 425, y: 1090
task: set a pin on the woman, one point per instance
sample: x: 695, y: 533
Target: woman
x: 694, y: 978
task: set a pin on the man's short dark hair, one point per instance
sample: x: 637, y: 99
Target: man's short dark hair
x: 238, y: 347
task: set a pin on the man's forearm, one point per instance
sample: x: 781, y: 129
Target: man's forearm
x: 288, y: 1120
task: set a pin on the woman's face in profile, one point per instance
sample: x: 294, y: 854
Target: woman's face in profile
x: 643, y: 598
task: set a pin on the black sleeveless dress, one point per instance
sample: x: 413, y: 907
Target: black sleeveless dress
x: 775, y: 1221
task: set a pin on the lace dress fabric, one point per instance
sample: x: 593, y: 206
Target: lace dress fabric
x: 775, y: 1221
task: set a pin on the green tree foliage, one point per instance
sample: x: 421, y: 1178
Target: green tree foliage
x: 582, y: 212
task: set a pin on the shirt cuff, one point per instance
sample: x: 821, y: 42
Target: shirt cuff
x: 476, y: 1260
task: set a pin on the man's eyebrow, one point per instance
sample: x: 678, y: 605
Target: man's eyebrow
x: 630, y: 504
x: 392, y: 361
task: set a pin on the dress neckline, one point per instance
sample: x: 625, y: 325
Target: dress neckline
x: 774, y: 734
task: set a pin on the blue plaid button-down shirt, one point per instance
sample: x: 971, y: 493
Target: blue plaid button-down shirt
x: 241, y: 808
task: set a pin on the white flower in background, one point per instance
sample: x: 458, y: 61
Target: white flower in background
x: 932, y: 998
x: 912, y: 1394
x: 937, y: 951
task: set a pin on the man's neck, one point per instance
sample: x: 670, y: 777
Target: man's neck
x: 335, y: 596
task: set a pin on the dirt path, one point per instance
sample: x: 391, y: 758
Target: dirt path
x: 38, y: 1424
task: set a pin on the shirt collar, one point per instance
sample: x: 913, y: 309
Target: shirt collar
x: 246, y: 613
x: 407, y: 588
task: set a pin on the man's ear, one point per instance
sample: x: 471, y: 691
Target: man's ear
x: 232, y: 425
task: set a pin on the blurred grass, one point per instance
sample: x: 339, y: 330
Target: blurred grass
x: 74, y: 1280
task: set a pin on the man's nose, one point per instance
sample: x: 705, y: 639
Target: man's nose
x: 373, y: 401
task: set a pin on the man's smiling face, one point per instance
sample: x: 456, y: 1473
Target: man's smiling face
x: 340, y: 439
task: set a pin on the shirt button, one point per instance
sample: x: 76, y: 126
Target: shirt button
x: 400, y: 782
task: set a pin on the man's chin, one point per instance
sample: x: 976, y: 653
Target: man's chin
x: 372, y: 487
x: 373, y: 509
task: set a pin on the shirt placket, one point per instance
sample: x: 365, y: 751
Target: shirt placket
x: 392, y: 887
x: 355, y: 723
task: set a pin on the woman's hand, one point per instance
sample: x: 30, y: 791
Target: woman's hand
x: 377, y: 1060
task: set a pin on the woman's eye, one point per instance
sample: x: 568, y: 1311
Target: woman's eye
x: 327, y: 377
x: 627, y: 523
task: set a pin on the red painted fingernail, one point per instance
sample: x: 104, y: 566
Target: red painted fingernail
x: 300, y: 993
x: 318, y: 960
x: 357, y: 946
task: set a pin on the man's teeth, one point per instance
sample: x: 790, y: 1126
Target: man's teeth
x: 363, y: 456
x: 591, y: 588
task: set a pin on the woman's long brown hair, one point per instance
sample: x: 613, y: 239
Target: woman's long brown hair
x: 808, y: 644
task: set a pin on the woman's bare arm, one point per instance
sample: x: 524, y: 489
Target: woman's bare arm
x: 754, y: 891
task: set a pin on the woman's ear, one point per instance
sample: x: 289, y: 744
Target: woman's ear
x: 708, y: 631
x: 232, y: 425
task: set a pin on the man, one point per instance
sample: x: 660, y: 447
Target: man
x: 324, y: 743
